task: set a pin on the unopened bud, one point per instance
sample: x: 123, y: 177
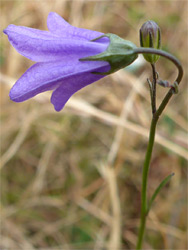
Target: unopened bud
x: 150, y: 37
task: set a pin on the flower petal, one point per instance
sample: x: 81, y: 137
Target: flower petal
x: 57, y: 25
x: 47, y: 76
x: 38, y: 78
x: 30, y: 32
x: 72, y: 84
x: 43, y: 46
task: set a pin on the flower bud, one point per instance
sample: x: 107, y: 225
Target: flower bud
x: 150, y: 37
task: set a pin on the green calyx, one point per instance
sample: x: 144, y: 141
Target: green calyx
x: 119, y: 54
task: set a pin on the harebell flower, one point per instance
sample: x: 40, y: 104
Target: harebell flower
x: 69, y: 58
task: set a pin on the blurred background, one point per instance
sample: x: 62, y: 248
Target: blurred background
x: 72, y: 180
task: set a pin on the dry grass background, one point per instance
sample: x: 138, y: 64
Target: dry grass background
x: 72, y: 180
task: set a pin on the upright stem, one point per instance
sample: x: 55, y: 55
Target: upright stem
x: 156, y: 115
x: 145, y: 181
x: 144, y: 202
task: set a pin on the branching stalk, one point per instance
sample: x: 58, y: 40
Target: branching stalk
x: 155, y: 118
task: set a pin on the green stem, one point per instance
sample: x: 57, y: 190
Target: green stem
x: 165, y: 54
x: 145, y: 181
x: 154, y: 89
x: 156, y: 115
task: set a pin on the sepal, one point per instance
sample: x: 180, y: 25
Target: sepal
x: 119, y: 54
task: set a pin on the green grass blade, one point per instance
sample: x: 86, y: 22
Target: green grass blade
x: 158, y: 189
